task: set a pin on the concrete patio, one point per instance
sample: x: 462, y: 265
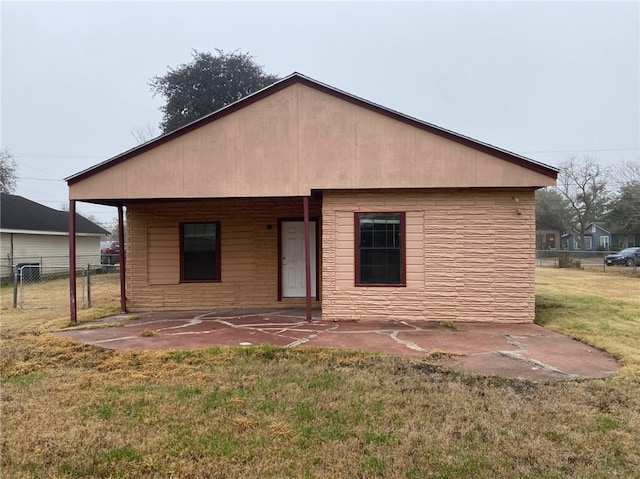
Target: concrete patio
x: 509, y: 350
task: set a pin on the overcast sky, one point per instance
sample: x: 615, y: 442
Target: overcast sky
x: 541, y: 79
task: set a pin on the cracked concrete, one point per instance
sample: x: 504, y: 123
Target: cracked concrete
x: 510, y: 350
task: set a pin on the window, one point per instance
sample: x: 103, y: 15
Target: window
x: 551, y: 241
x: 380, y: 249
x: 588, y: 243
x: 604, y: 242
x: 200, y: 251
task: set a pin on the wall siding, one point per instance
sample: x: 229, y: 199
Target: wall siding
x: 311, y: 139
x: 249, y: 253
x: 469, y: 257
x: 49, y: 250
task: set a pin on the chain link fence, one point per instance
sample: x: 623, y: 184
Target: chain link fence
x: 593, y: 260
x: 38, y: 284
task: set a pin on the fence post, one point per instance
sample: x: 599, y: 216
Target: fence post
x: 89, y: 285
x: 15, y: 286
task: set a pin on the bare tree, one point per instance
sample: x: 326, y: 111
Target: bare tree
x: 583, y: 183
x: 624, y: 214
x: 144, y: 133
x: 8, y: 177
x: 627, y: 171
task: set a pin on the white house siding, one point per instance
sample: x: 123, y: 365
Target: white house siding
x: 48, y: 250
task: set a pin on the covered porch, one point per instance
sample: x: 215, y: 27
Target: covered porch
x: 217, y: 253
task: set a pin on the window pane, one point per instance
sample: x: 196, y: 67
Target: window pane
x: 199, y: 253
x: 380, y: 255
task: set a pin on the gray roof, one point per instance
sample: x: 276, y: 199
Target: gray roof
x: 18, y: 213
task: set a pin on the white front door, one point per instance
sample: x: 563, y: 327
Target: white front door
x: 293, y: 265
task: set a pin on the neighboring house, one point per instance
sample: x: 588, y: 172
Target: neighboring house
x: 598, y: 237
x: 36, y: 234
x: 547, y: 237
x: 620, y: 240
x: 402, y: 219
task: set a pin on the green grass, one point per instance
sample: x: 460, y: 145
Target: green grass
x: 75, y: 411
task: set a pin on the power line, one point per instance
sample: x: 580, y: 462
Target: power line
x: 577, y: 150
x: 580, y: 150
x: 26, y: 155
x: 36, y: 179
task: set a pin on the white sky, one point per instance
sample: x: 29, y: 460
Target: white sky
x: 541, y: 79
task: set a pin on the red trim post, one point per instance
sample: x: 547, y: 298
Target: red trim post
x: 307, y: 256
x: 123, y: 291
x: 72, y: 263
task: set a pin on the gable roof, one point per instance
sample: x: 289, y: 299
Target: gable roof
x: 20, y: 214
x: 588, y: 230
x: 297, y: 78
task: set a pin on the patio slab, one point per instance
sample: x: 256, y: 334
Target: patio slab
x: 524, y: 351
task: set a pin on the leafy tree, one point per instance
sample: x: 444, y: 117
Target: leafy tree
x: 208, y: 83
x: 8, y: 177
x: 552, y: 209
x: 624, y: 216
x: 582, y: 182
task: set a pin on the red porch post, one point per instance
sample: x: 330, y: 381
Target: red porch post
x: 307, y: 255
x: 72, y: 262
x: 123, y: 292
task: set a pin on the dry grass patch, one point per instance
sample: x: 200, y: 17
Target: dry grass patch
x: 289, y: 413
x: 600, y: 309
x: 591, y: 283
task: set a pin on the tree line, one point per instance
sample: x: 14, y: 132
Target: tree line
x: 588, y: 192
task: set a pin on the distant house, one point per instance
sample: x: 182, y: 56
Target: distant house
x: 302, y: 194
x: 31, y: 233
x: 547, y: 237
x: 599, y: 237
x: 596, y: 238
x: 622, y: 240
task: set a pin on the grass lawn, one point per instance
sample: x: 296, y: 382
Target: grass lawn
x: 76, y: 411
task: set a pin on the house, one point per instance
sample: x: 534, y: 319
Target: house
x: 304, y: 195
x: 596, y: 238
x: 599, y: 237
x: 623, y: 240
x: 547, y: 237
x: 36, y: 234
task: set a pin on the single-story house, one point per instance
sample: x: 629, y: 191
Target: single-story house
x: 599, y: 237
x: 31, y: 233
x: 302, y: 194
x: 596, y: 237
x: 547, y: 237
x: 624, y: 240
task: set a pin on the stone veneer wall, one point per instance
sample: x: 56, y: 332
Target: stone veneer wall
x: 470, y: 256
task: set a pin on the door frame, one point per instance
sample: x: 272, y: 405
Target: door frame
x: 300, y: 219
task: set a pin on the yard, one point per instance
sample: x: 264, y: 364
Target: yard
x: 70, y: 410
